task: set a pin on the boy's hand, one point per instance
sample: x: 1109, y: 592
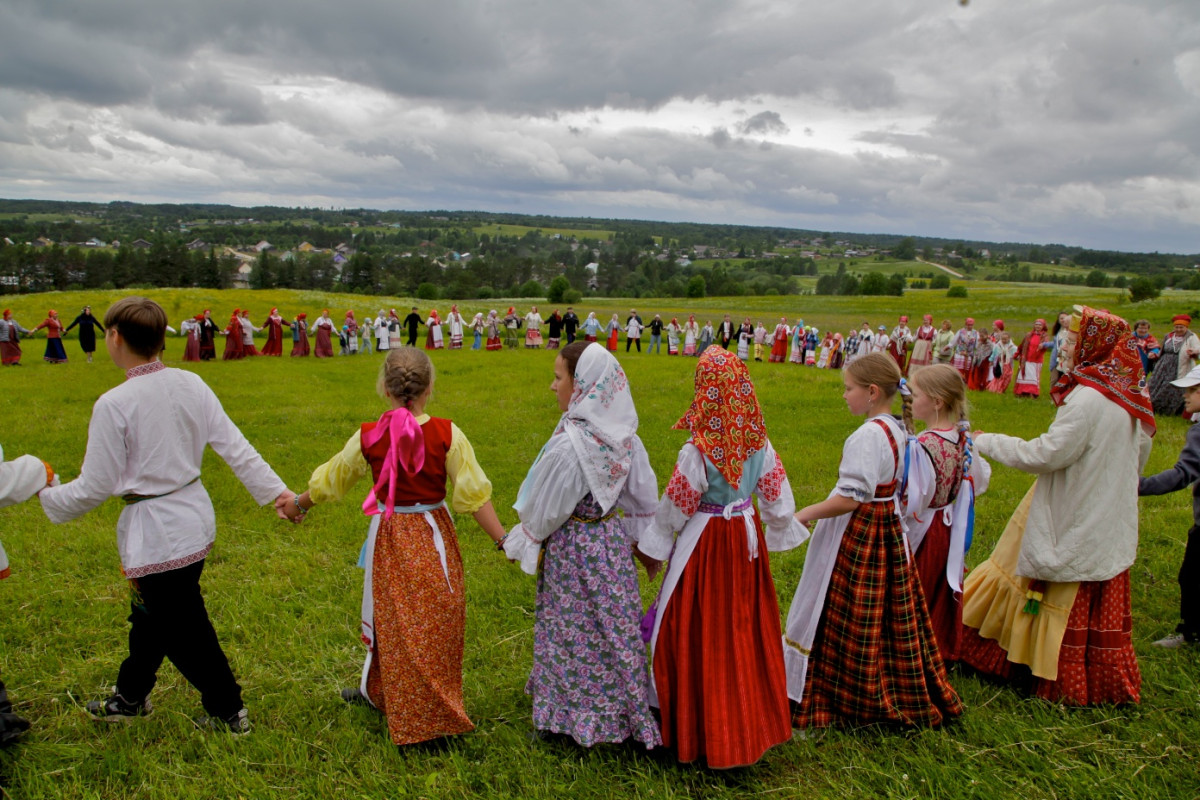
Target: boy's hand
x: 286, y: 508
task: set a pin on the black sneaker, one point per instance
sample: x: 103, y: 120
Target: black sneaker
x: 118, y: 709
x: 355, y: 697
x: 237, y: 724
x: 11, y: 728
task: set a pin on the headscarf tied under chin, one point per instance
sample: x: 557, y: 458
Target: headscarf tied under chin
x: 601, y: 424
x: 406, y: 451
x: 725, y: 419
x: 1106, y: 359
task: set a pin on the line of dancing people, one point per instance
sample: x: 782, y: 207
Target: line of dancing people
x: 880, y: 608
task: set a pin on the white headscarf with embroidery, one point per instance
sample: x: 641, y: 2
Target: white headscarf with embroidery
x: 601, y: 424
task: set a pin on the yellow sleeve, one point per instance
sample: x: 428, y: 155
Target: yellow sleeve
x: 335, y: 477
x: 471, y: 487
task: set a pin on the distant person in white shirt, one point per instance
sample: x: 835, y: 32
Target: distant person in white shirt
x: 146, y: 441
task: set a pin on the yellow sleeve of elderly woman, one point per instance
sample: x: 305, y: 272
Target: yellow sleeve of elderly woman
x: 337, y: 476
x: 471, y: 487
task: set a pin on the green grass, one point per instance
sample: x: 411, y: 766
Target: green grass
x: 499, y: 229
x: 285, y: 599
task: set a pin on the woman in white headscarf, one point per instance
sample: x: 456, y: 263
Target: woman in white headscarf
x: 589, y: 661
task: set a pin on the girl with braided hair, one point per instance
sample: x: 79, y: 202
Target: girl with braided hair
x: 945, y: 476
x: 859, y: 647
x: 413, y: 607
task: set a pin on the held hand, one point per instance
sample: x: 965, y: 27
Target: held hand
x: 653, y: 565
x: 286, y: 508
x: 975, y: 435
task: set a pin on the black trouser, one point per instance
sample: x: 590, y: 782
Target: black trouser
x: 570, y: 336
x: 11, y: 725
x: 633, y: 340
x: 412, y: 339
x: 169, y: 620
x: 1189, y: 587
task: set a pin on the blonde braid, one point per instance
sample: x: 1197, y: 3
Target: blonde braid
x: 405, y: 375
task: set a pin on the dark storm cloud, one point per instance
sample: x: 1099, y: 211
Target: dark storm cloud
x: 1008, y: 120
x: 764, y: 122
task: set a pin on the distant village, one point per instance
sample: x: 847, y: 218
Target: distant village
x: 815, y: 249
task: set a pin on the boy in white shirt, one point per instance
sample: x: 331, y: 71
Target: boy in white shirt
x: 146, y: 440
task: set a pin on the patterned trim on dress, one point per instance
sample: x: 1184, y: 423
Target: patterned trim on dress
x: 145, y: 369
x: 167, y: 566
x: 770, y: 485
x: 685, y: 497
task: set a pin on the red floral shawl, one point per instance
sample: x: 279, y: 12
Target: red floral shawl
x: 1106, y: 359
x: 725, y: 419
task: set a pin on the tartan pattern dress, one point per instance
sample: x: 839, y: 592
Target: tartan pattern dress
x: 875, y: 658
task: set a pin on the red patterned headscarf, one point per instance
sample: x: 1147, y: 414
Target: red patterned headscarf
x: 725, y: 419
x: 1106, y: 359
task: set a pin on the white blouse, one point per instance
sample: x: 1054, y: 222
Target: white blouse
x: 147, y: 437
x: 776, y: 505
x: 545, y: 505
x: 867, y: 460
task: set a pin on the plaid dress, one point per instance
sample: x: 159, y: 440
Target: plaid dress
x: 874, y: 658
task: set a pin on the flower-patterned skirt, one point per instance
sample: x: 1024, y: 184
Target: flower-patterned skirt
x: 589, y: 678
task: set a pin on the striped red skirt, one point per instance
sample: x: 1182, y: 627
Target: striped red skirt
x: 874, y: 658
x: 945, y: 607
x: 718, y: 663
x: 1096, y: 663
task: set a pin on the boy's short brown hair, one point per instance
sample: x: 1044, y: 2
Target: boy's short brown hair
x: 141, y: 322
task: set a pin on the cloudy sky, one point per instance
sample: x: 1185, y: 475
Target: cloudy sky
x: 1073, y: 121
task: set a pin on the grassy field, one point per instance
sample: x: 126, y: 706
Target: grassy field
x: 285, y: 599
x: 498, y: 229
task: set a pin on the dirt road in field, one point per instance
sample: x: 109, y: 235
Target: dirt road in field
x: 947, y: 270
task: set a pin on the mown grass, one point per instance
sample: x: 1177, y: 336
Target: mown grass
x: 285, y: 599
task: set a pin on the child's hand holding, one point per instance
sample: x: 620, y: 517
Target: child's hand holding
x: 653, y: 565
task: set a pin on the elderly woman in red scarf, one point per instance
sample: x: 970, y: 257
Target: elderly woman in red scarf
x: 1030, y: 355
x: 1175, y: 360
x: 1054, y: 595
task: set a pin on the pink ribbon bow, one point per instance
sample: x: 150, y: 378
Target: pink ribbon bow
x: 406, y: 450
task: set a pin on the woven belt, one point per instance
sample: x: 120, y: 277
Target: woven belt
x: 609, y: 515
x: 733, y: 508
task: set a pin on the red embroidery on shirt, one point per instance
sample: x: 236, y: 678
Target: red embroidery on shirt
x: 679, y: 489
x: 145, y: 369
x: 770, y: 485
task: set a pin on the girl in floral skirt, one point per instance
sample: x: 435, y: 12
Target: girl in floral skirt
x: 589, y: 661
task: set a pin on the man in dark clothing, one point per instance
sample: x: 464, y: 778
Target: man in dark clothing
x: 727, y: 332
x: 411, y: 322
x: 656, y: 329
x: 570, y: 324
